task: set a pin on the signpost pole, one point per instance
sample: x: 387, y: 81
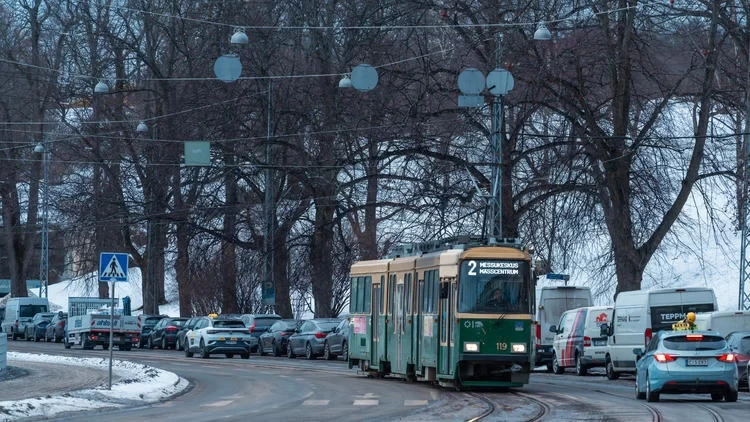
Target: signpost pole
x: 111, y: 328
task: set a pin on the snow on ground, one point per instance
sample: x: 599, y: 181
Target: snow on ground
x: 135, y: 384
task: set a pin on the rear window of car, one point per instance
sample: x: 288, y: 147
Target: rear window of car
x: 229, y: 324
x: 265, y: 321
x: 327, y: 326
x: 694, y: 342
x: 745, y: 345
x: 28, y: 311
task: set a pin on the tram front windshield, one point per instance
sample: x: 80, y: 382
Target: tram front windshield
x: 494, y: 286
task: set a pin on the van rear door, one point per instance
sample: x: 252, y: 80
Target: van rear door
x: 668, y: 308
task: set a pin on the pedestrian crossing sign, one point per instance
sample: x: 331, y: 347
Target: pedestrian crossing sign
x: 113, y: 267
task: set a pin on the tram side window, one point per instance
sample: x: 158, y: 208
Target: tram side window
x: 382, y: 294
x: 407, y: 295
x: 391, y: 291
x: 429, y: 299
x: 360, y: 295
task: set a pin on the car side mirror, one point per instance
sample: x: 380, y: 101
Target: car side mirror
x: 604, y: 330
x: 553, y: 329
x: 638, y: 352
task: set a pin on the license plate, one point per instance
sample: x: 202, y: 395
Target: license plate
x: 600, y: 342
x: 697, y: 362
x: 231, y: 342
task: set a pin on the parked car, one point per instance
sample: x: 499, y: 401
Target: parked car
x: 56, y: 328
x: 164, y: 333
x: 309, y: 338
x: 258, y: 324
x: 337, y: 342
x: 146, y: 324
x: 37, y: 328
x: 676, y: 362
x: 187, y: 326
x: 18, y: 313
x: 274, y: 340
x: 218, y: 335
x: 739, y: 344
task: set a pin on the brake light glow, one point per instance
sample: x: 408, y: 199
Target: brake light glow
x: 320, y: 334
x: 586, y: 341
x: 695, y: 337
x: 647, y: 335
x: 664, y: 358
x: 538, y: 333
x: 726, y: 357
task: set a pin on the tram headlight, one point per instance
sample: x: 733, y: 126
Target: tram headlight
x: 518, y: 347
x: 471, y: 347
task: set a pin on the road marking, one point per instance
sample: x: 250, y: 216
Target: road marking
x: 218, y: 403
x: 316, y: 402
x: 415, y: 402
x: 365, y: 402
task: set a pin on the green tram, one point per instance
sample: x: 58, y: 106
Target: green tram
x: 457, y: 315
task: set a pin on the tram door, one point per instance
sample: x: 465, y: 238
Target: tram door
x: 377, y: 309
x: 446, y: 327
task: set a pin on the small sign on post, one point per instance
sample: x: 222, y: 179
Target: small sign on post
x: 268, y: 293
x: 113, y: 268
x: 552, y: 276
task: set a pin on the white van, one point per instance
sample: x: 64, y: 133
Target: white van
x: 553, y: 301
x: 639, y: 314
x: 723, y: 322
x: 19, y: 311
x: 578, y: 341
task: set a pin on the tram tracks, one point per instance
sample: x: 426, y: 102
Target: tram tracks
x: 541, y: 411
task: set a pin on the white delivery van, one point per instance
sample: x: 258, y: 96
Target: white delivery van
x: 19, y: 311
x: 552, y: 302
x: 723, y: 322
x: 639, y: 314
x: 578, y: 341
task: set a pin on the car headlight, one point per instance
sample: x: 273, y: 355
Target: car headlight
x: 518, y: 347
x: 471, y: 347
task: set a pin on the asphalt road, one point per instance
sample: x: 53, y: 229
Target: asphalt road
x: 282, y: 389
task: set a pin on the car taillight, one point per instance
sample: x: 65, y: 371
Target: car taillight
x: 252, y: 327
x: 171, y: 328
x: 538, y: 333
x: 60, y: 324
x: 663, y: 357
x: 726, y: 357
x: 284, y: 333
x: 320, y: 334
x: 586, y: 341
x: 647, y: 336
x: 742, y: 358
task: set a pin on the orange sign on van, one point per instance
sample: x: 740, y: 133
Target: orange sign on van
x: 601, y: 319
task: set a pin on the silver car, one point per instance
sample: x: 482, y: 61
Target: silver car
x: 677, y: 362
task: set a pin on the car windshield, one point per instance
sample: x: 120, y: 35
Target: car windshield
x: 178, y: 322
x: 694, y: 342
x: 494, y: 286
x: 229, y: 324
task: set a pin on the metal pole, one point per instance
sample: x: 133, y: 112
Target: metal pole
x: 44, y: 253
x: 496, y: 200
x: 268, y: 205
x: 744, y: 295
x: 111, y: 328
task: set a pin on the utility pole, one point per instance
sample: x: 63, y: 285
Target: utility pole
x: 744, y: 295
